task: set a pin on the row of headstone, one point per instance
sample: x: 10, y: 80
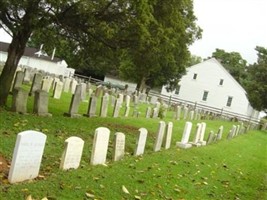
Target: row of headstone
x: 236, y: 130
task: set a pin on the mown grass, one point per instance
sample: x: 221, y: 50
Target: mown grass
x: 234, y: 169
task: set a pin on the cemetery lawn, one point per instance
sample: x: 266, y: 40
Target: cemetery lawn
x: 227, y: 169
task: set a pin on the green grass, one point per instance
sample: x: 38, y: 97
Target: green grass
x: 234, y: 169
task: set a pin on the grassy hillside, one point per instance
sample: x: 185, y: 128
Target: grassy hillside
x: 234, y: 169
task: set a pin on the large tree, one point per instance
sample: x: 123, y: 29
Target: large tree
x: 160, y: 53
x: 233, y: 62
x: 256, y: 84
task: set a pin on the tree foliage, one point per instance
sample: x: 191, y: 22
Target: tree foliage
x: 233, y: 62
x: 256, y: 84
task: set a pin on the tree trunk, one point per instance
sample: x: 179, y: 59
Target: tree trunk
x: 15, y: 51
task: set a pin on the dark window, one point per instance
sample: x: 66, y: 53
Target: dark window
x: 229, y: 101
x: 221, y: 82
x: 205, y: 96
x: 195, y: 76
x: 177, y: 90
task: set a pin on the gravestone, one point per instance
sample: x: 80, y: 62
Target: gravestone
x: 185, y: 112
x: 73, y: 85
x: 117, y: 107
x: 155, y: 113
x: 40, y: 106
x: 100, y: 146
x: 19, y: 100
x: 98, y: 91
x: 148, y: 112
x: 113, y: 101
x: 91, y: 112
x: 36, y: 83
x: 27, y: 156
x: 54, y: 82
x: 75, y: 102
x: 46, y: 84
x: 237, y: 130
x: 168, y: 135
x: 178, y: 112
x: 191, y: 115
x: 232, y: 132
x: 142, y: 97
x: 72, y: 153
x: 66, y: 87
x: 153, y: 100
x: 58, y: 90
x: 220, y: 132
x: 141, y: 142
x: 104, y: 105
x: 160, y: 135
x: 202, y: 134
x: 27, y: 76
x: 127, y: 100
x: 196, y: 139
x: 127, y: 110
x: 18, y: 80
x: 120, y: 98
x: 210, y: 137
x: 185, y: 138
x: 83, y: 91
x: 119, y: 146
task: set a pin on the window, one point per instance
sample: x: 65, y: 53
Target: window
x: 229, y: 101
x: 205, y: 96
x: 195, y: 76
x: 177, y: 90
x: 221, y: 82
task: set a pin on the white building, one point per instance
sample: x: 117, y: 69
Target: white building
x: 210, y: 84
x: 36, y: 59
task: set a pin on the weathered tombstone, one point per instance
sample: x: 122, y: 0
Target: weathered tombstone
x: 160, y: 135
x: 202, y: 134
x: 54, y: 82
x: 168, y: 135
x: 191, y: 115
x: 120, y: 98
x: 27, y: 156
x: 91, y: 112
x: 178, y: 113
x: 117, y: 107
x: 18, y: 80
x: 127, y: 101
x: 155, y: 112
x: 40, y: 106
x: 66, y: 87
x: 100, y: 146
x: 46, y: 84
x: 36, y: 83
x: 27, y: 77
x: 141, y: 142
x: 210, y: 137
x: 98, y: 91
x: 237, y: 130
x: 185, y: 112
x: 119, y: 146
x: 104, y: 105
x: 153, y: 100
x: 113, y: 100
x: 72, y: 153
x: 73, y: 85
x: 185, y: 138
x: 83, y: 91
x: 148, y: 112
x: 127, y: 110
x: 220, y: 132
x: 196, y: 139
x: 142, y: 97
x: 135, y: 99
x: 232, y: 132
x: 19, y: 100
x: 75, y: 101
x: 58, y: 90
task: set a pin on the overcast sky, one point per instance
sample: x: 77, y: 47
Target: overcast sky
x: 232, y: 25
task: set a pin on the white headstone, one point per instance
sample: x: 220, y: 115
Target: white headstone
x: 141, y: 142
x: 160, y: 135
x: 100, y: 146
x: 72, y: 154
x: 220, y: 132
x: 27, y: 156
x: 202, y: 134
x: 58, y: 90
x: 196, y: 139
x: 185, y: 138
x: 168, y: 135
x: 119, y: 146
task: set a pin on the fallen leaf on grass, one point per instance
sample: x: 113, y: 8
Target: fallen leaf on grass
x: 124, y: 189
x: 29, y: 197
x: 89, y: 195
x: 137, y: 197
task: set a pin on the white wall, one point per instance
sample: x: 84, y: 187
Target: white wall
x: 209, y: 74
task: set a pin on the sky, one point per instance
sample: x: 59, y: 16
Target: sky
x: 231, y: 25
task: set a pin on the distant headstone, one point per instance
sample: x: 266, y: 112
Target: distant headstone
x: 127, y: 100
x: 153, y: 100
x: 202, y: 134
x: 40, y: 106
x: 220, y: 132
x: 117, y: 107
x: 46, y: 84
x: 75, y: 102
x: 72, y: 154
x: 73, y: 85
x: 148, y: 112
x: 237, y: 130
x: 178, y: 112
x: 104, y: 105
x: 66, y: 87
x: 127, y: 110
x: 185, y: 113
x: 185, y: 138
x: 168, y: 135
x: 18, y: 80
x: 141, y: 142
x: 27, y: 77
x: 100, y: 146
x: 27, y: 156
x: 155, y: 113
x: 232, y: 132
x: 19, y: 100
x: 210, y: 137
x: 83, y: 91
x: 91, y: 112
x: 191, y: 115
x: 119, y: 146
x: 98, y: 91
x: 36, y: 83
x: 58, y: 90
x: 160, y: 135
x: 196, y: 139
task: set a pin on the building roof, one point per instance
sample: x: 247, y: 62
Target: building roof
x: 30, y: 52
